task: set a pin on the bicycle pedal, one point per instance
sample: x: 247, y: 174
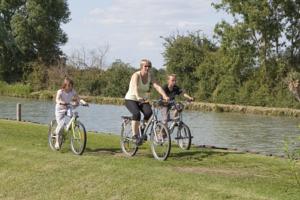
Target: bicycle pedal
x: 139, y: 142
x: 145, y: 137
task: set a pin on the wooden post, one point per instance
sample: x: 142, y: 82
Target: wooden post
x: 18, y: 113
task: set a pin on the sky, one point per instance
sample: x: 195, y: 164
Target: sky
x: 133, y: 29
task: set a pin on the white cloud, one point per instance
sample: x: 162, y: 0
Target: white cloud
x: 152, y: 13
x: 133, y: 27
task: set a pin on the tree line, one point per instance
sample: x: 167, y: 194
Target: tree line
x: 249, y: 61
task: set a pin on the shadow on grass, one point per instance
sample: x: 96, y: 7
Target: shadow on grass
x: 199, y: 154
x: 103, y: 150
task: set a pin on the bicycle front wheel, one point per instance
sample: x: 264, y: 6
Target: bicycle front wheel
x: 160, y: 141
x: 78, y: 138
x: 128, y: 145
x: 184, y: 138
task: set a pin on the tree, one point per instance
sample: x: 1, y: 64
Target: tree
x: 117, y: 79
x: 89, y: 58
x: 291, y: 10
x: 183, y: 54
x: 30, y: 31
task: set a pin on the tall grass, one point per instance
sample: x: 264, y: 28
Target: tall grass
x: 293, y: 155
x: 23, y: 90
x: 17, y: 90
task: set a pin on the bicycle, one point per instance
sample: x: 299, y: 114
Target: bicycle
x: 160, y: 140
x: 183, y: 136
x: 74, y: 127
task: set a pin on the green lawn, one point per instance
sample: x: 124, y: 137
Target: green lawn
x: 30, y: 170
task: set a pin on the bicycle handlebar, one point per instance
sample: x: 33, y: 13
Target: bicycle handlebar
x: 74, y: 105
x: 163, y: 102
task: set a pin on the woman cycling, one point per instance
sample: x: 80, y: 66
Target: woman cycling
x: 135, y: 98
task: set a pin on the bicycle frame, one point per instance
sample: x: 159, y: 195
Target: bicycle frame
x: 74, y: 116
x: 150, y: 122
x: 160, y: 142
x: 178, y: 120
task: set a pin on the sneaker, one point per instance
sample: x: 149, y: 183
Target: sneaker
x: 135, y: 137
x: 145, y: 137
x: 160, y: 137
x: 56, y: 146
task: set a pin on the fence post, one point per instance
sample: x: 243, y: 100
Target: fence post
x: 18, y: 113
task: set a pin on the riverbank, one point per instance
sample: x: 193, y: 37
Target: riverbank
x: 24, y: 91
x: 103, y: 172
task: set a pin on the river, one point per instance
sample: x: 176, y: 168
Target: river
x: 265, y: 134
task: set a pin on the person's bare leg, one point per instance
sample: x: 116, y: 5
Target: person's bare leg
x: 135, y: 127
x: 176, y: 114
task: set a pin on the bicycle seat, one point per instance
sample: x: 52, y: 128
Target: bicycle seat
x: 126, y: 117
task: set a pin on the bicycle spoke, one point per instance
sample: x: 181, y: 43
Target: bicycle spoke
x: 78, y: 138
x: 184, y: 137
x: 128, y: 145
x: 161, y: 142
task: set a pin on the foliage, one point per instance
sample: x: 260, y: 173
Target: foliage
x: 183, y: 54
x: 17, y: 89
x: 293, y: 156
x: 251, y: 61
x: 30, y: 31
x: 117, y: 79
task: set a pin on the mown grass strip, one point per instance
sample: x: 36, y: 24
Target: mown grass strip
x: 30, y: 170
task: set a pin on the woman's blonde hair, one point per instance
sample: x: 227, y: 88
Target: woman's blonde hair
x: 145, y: 62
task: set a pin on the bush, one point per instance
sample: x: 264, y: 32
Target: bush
x: 226, y: 91
x: 17, y: 89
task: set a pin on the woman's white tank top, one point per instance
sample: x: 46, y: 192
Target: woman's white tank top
x: 143, y: 89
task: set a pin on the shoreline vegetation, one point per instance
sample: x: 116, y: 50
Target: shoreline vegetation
x: 104, y: 172
x: 25, y: 91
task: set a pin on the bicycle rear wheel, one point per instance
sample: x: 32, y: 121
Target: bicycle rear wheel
x: 184, y: 138
x: 52, y: 135
x: 160, y: 141
x: 128, y: 145
x: 78, y: 138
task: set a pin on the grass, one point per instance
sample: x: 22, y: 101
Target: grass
x: 18, y: 89
x: 24, y: 90
x: 30, y: 170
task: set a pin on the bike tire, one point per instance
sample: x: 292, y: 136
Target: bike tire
x: 159, y: 137
x: 184, y: 137
x: 78, y: 138
x: 128, y: 146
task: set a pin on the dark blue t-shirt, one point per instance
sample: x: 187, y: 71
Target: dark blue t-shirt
x: 172, y: 94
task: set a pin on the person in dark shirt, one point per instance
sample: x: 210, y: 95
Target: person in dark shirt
x: 172, y: 90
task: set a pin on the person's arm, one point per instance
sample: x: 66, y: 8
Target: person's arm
x: 159, y: 89
x: 78, y: 100
x: 188, y: 96
x: 182, y: 92
x: 58, y: 98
